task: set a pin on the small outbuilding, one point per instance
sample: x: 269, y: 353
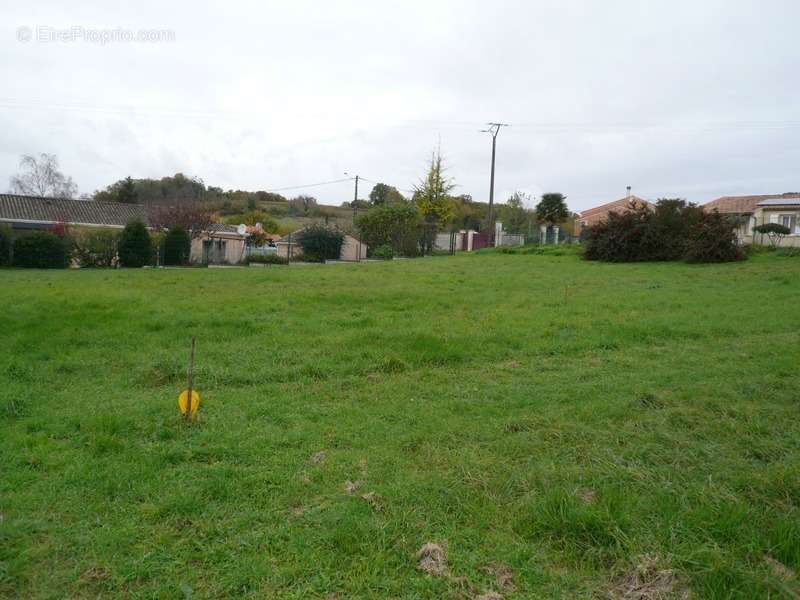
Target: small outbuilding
x: 353, y: 249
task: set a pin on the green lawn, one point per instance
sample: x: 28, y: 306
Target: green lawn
x: 537, y: 416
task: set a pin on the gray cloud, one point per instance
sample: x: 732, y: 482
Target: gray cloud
x: 674, y: 98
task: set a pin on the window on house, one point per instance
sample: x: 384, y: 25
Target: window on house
x: 789, y: 221
x: 214, y: 251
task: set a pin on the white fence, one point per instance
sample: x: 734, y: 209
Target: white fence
x: 442, y: 241
x: 261, y: 250
x: 510, y: 239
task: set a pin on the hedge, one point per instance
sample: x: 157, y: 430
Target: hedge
x: 96, y: 248
x: 177, y: 246
x: 41, y: 250
x: 320, y: 243
x: 134, y: 245
x: 5, y: 246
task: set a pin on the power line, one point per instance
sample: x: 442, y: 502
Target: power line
x: 361, y: 178
x: 308, y: 185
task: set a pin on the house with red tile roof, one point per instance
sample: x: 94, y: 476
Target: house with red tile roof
x: 783, y: 209
x: 592, y: 216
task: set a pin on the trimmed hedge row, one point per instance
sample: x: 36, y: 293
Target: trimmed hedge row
x: 5, y: 246
x: 54, y: 249
x: 41, y: 250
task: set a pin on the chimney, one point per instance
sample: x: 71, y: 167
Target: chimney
x: 629, y: 192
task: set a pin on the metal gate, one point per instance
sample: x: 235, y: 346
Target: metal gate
x: 482, y: 240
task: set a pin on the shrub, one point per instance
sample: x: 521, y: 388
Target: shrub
x: 396, y: 225
x: 560, y: 250
x: 41, y: 250
x: 774, y: 231
x: 5, y: 246
x: 622, y: 237
x: 384, y: 252
x: 713, y: 239
x: 320, y: 242
x: 96, y: 248
x: 670, y: 229
x: 675, y: 230
x: 134, y: 245
x: 267, y: 259
x: 177, y: 246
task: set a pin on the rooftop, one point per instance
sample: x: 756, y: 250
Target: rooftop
x: 747, y: 204
x: 616, y: 204
x: 46, y: 211
x: 780, y: 202
x: 35, y: 209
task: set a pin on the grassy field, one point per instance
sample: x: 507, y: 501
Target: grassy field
x: 561, y: 429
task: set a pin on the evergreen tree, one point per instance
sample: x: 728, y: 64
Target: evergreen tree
x: 134, y: 245
x: 127, y: 191
x: 432, y: 195
x: 177, y: 246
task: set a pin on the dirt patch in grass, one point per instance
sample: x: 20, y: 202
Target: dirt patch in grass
x: 95, y: 574
x: 318, y: 457
x: 779, y: 570
x: 586, y: 495
x: 503, y: 576
x: 375, y: 501
x: 489, y: 596
x: 350, y: 487
x: 647, y: 580
x: 432, y: 559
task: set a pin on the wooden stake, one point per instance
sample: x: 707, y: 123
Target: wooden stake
x: 189, y: 389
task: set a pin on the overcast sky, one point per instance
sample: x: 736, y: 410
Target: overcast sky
x: 690, y: 99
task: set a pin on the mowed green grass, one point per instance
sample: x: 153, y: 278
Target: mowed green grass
x: 536, y: 413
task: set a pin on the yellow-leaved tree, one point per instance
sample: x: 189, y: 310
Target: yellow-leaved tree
x: 432, y: 194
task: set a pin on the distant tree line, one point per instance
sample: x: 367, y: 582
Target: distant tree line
x: 187, y: 202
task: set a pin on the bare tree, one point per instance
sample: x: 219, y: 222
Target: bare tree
x: 302, y: 205
x: 41, y: 177
x: 191, y: 216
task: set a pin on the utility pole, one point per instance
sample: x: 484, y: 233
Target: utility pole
x: 493, y: 129
x: 355, y: 197
x: 355, y: 214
